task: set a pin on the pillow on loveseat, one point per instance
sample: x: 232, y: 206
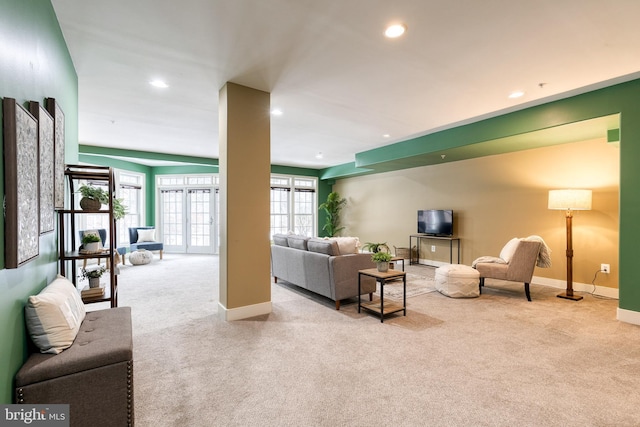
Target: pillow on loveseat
x: 54, y: 316
x: 347, y: 245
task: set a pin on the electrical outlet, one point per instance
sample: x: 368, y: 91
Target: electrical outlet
x: 433, y: 248
x: 605, y: 268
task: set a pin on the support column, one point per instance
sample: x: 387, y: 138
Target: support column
x: 245, y: 172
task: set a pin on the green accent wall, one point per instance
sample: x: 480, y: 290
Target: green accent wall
x: 191, y: 165
x: 34, y: 64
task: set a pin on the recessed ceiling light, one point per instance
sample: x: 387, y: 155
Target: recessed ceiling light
x: 516, y: 94
x: 159, y: 83
x: 386, y: 135
x: 395, y: 30
x: 276, y: 112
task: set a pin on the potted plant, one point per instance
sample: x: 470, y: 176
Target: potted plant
x: 332, y: 208
x: 376, y: 247
x: 94, y: 197
x: 382, y: 260
x: 94, y: 274
x: 91, y: 243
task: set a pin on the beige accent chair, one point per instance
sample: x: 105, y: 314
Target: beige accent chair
x: 518, y: 260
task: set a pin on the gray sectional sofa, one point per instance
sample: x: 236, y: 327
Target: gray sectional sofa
x: 319, y: 266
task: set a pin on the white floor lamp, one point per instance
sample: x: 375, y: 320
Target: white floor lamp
x: 570, y: 200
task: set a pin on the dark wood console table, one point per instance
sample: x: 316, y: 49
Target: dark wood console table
x: 419, y: 237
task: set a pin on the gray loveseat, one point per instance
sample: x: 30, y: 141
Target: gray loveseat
x: 317, y: 265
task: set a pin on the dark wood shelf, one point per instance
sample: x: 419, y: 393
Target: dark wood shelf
x: 69, y: 243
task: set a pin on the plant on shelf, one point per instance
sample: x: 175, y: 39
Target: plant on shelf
x: 94, y: 197
x: 332, y: 208
x: 90, y: 238
x: 91, y: 243
x: 376, y: 247
x: 93, y: 274
x: 382, y: 260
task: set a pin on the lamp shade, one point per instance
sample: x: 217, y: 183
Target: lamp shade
x: 575, y: 200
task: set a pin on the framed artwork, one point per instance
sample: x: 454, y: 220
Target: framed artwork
x: 46, y: 172
x: 22, y: 202
x: 58, y: 150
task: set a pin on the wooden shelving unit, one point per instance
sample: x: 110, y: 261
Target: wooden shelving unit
x: 69, y: 240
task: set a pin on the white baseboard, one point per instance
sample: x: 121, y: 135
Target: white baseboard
x: 628, y: 316
x: 245, y: 312
x: 579, y: 287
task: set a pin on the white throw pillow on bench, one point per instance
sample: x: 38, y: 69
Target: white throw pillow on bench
x: 54, y: 316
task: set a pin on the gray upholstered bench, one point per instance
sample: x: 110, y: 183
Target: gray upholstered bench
x: 94, y: 376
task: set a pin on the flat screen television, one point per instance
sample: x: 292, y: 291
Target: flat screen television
x: 435, y: 222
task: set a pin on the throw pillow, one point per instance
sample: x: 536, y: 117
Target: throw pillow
x: 146, y: 235
x: 347, y: 245
x: 54, y: 316
x: 509, y: 249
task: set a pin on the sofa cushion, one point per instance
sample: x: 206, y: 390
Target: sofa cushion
x: 347, y: 245
x: 327, y: 247
x: 297, y: 242
x: 280, y: 240
x: 54, y: 316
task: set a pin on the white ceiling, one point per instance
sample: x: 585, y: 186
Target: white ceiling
x: 340, y: 83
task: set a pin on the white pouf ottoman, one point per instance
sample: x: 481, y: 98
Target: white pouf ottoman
x: 458, y: 281
x: 140, y: 257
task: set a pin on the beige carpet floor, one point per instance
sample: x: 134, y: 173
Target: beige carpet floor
x: 496, y: 360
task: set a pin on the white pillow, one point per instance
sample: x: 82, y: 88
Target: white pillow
x: 147, y: 235
x: 509, y: 249
x: 54, y: 316
x: 347, y: 245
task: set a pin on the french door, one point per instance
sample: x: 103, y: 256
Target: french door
x: 189, y: 220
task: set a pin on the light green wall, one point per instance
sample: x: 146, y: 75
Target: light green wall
x: 192, y: 165
x: 34, y: 65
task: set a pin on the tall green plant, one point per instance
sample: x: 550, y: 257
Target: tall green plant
x: 332, y: 208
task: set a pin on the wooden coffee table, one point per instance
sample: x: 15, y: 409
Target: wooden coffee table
x: 379, y: 306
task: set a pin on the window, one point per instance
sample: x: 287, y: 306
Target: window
x: 129, y: 188
x: 293, y: 205
x: 172, y: 211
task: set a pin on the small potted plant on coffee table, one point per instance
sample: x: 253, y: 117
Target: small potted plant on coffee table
x: 382, y: 260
